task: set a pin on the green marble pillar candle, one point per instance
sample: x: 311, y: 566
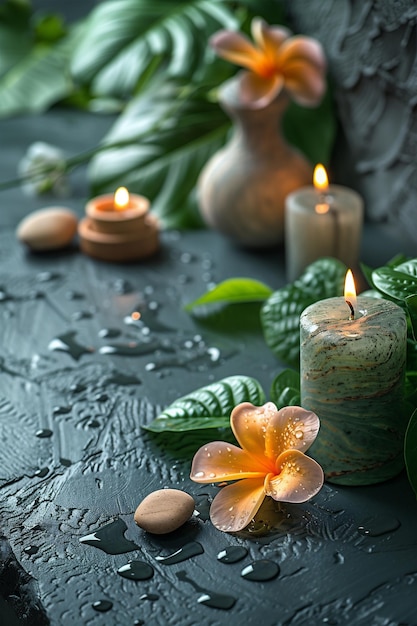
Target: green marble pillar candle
x: 352, y: 377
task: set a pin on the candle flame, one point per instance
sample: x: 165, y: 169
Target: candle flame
x: 320, y: 180
x: 121, y: 199
x: 350, y: 294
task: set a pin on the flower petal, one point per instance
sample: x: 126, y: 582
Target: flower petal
x: 266, y: 432
x: 256, y: 91
x: 290, y: 428
x: 299, y: 478
x: 220, y: 460
x: 235, y: 505
x: 236, y: 48
x: 268, y: 38
x: 305, y: 83
x: 249, y: 424
x: 303, y: 49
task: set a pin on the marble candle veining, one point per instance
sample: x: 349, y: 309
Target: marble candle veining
x: 352, y: 375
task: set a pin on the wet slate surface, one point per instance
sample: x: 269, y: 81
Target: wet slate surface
x: 74, y: 459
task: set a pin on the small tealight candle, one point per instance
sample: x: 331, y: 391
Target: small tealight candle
x: 118, y: 212
x: 118, y: 227
x: 352, y: 362
x: 322, y: 221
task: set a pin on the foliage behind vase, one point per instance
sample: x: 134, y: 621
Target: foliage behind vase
x: 151, y: 62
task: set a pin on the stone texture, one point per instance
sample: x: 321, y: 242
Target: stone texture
x: 371, y: 51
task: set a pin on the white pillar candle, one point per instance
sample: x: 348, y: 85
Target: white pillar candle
x: 352, y: 362
x: 322, y: 221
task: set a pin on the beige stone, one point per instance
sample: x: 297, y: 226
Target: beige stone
x: 48, y: 229
x: 164, y: 510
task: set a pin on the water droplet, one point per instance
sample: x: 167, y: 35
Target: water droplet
x: 109, y: 333
x: 43, y: 433
x: 199, y: 475
x: 4, y: 295
x: 261, y: 570
x: 81, y: 315
x: 136, y: 570
x: 216, y: 600
x: 376, y: 526
x: 101, y: 397
x: 232, y: 554
x: 299, y: 434
x: 146, y: 318
x: 203, y: 508
x: 119, y: 378
x: 67, y: 343
x: 30, y: 550
x: 193, y: 548
x: 186, y: 257
x: 41, y: 472
x: 77, y: 388
x: 46, y: 277
x: 183, y: 279
x: 149, y: 596
x: 122, y: 286
x: 110, y: 538
x: 61, y: 410
x: 74, y: 295
x: 102, y: 605
x: 135, y: 348
x: 209, y: 598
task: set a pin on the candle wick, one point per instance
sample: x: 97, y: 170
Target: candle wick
x: 352, y: 310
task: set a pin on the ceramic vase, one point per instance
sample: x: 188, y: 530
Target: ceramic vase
x: 242, y: 188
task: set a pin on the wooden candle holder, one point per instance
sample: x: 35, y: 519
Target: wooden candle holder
x: 118, y: 235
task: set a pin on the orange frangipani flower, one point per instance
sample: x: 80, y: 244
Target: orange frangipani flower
x: 275, y: 62
x: 270, y: 462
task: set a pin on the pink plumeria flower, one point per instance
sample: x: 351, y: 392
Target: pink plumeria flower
x: 275, y: 62
x: 270, y: 462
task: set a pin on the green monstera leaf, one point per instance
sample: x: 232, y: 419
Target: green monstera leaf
x: 127, y: 41
x: 162, y: 141
x: 34, y: 60
x: 285, y: 389
x: 280, y: 315
x: 208, y: 407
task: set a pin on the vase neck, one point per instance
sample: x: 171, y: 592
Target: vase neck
x: 251, y: 124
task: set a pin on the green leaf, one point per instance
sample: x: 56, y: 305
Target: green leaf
x: 123, y: 36
x: 39, y: 79
x: 411, y: 304
x: 408, y: 267
x: 410, y: 451
x: 367, y: 272
x: 208, y: 407
x: 280, y: 315
x: 233, y: 290
x: 411, y: 367
x: 171, y: 134
x: 16, y: 34
x: 397, y: 260
x: 395, y: 283
x: 285, y: 389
